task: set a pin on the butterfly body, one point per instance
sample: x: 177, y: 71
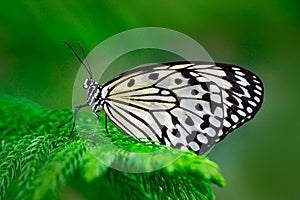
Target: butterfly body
x: 94, y: 94
x: 186, y: 105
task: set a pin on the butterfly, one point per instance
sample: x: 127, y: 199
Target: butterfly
x: 190, y: 105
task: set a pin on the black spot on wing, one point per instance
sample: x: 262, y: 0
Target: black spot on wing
x: 237, y: 89
x: 199, y: 107
x: 153, y: 76
x: 206, y: 97
x: 204, y: 85
x: 232, y: 100
x: 205, y: 124
x: 178, y: 81
x: 164, y: 130
x: 174, y: 119
x: 131, y: 83
x: 193, y: 81
x: 187, y: 74
x: 189, y: 121
x: 175, y: 132
x: 194, y: 92
x: 192, y: 136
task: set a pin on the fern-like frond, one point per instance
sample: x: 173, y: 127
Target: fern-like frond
x: 56, y: 171
x: 37, y: 158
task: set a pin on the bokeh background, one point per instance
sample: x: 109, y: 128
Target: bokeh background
x: 261, y: 160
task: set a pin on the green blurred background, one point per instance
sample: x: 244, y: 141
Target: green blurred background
x: 261, y: 160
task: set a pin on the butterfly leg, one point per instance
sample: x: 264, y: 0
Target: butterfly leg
x: 77, y: 108
x: 106, y: 128
x: 96, y: 127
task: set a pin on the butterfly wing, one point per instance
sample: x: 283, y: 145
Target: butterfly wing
x: 187, y: 105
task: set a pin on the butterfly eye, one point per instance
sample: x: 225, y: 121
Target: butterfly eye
x: 87, y: 83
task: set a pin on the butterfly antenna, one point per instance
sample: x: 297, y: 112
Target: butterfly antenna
x: 74, y: 52
x: 86, y: 61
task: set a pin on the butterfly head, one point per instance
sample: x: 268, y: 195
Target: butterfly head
x: 88, y: 83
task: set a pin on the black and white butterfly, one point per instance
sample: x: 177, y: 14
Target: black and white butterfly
x: 190, y: 105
